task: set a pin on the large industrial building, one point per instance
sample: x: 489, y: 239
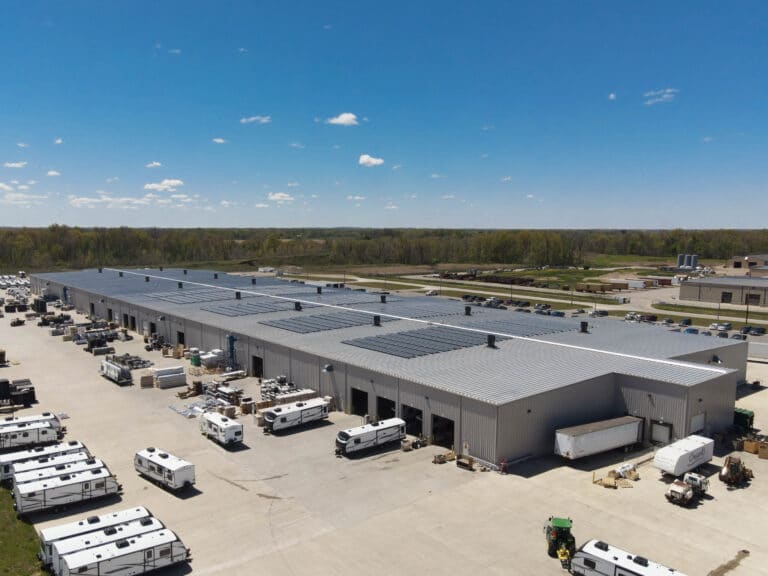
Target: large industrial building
x: 491, y: 383
x: 727, y: 290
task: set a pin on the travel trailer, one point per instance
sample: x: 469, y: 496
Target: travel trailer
x: 296, y: 414
x: 60, y: 491
x: 164, y: 468
x: 47, y: 467
x: 58, y: 470
x: 7, y: 461
x: 27, y: 435
x: 596, y: 558
x: 223, y: 430
x: 49, y: 417
x: 369, y: 436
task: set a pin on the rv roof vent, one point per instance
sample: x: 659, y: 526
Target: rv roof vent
x: 96, y: 471
x: 91, y: 461
x: 64, y: 477
x: 121, y: 543
x: 163, y: 455
x: 93, y: 520
x: 278, y: 409
x: 145, y: 521
x: 299, y: 404
x: 60, y: 467
x: 374, y: 423
x: 377, y: 320
x: 224, y: 419
x: 109, y: 531
x: 151, y: 449
x: 297, y: 306
x: 491, y: 341
x: 600, y: 545
x: 640, y: 560
x: 73, y: 442
x: 42, y: 460
x: 46, y: 414
x: 38, y: 449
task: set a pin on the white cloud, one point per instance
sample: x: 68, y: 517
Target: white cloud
x: 369, y: 161
x: 507, y: 179
x: 5, y: 187
x: 356, y: 198
x: 449, y: 197
x: 21, y: 199
x: 243, y: 50
x: 22, y: 187
x: 529, y: 196
x: 181, y: 197
x: 297, y: 145
x: 31, y: 182
x: 658, y: 96
x: 22, y: 145
x: 280, y: 197
x: 167, y: 185
x: 53, y: 173
x: 58, y: 141
x: 336, y: 147
x: 708, y: 139
x: 612, y: 96
x: 397, y: 167
x: 293, y: 184
x: 391, y: 207
x: 256, y: 119
x: 327, y: 26
x: 343, y: 119
x: 153, y: 164
x: 313, y: 195
x: 261, y: 205
x: 487, y: 127
x: 174, y: 51
x: 436, y: 176
x: 15, y: 164
x: 112, y: 179
x: 227, y: 204
x: 219, y: 141
x: 104, y: 199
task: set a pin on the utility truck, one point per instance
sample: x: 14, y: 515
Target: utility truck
x: 27, y: 435
x: 596, y: 558
x: 61, y: 491
x: 88, y: 525
x: 296, y: 414
x: 164, y: 468
x: 7, y: 461
x: 223, y: 430
x: 368, y: 436
x: 684, y: 492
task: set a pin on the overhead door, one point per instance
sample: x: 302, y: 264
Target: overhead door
x: 697, y: 423
x: 661, y: 433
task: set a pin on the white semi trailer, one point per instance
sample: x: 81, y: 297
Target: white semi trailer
x: 164, y: 468
x: 295, y: 414
x: 7, y: 461
x: 129, y: 557
x: 60, y: 491
x: 596, y: 437
x: 596, y: 558
x: 49, y: 536
x: 361, y: 438
x: 223, y: 430
x: 27, y: 435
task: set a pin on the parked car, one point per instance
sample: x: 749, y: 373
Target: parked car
x: 757, y: 331
x: 738, y: 336
x: 558, y: 313
x: 724, y: 326
x: 668, y: 321
x: 722, y: 334
x: 713, y: 326
x: 705, y: 333
x: 690, y: 330
x: 745, y: 329
x: 685, y: 322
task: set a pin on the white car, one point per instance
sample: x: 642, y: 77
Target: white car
x: 431, y: 293
x: 713, y: 326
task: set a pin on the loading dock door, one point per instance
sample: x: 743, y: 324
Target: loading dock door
x: 133, y: 323
x: 257, y: 366
x: 93, y: 309
x: 385, y: 408
x: 414, y: 420
x: 359, y: 404
x: 661, y: 433
x: 180, y: 338
x: 442, y: 431
x: 109, y: 315
x: 125, y: 320
x: 697, y: 423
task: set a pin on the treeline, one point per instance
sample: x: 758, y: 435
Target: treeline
x: 61, y: 247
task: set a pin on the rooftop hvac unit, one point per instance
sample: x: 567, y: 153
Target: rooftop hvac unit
x: 377, y: 320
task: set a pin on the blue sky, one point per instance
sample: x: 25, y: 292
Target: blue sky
x: 395, y: 114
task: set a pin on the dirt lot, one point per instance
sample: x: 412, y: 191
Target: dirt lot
x: 286, y: 505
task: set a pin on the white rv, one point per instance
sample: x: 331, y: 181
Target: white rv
x: 222, y: 429
x: 49, y: 536
x: 296, y: 414
x: 58, y: 470
x: 7, y: 461
x: 27, y: 434
x: 596, y: 558
x: 22, y: 468
x: 49, y: 417
x: 128, y: 557
x: 370, y: 436
x: 165, y: 469
x: 107, y: 535
x: 64, y: 490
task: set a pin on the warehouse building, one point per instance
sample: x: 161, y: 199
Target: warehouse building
x: 491, y: 383
x: 750, y: 261
x: 727, y: 290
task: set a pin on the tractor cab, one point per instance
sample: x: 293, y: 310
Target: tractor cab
x: 561, y: 543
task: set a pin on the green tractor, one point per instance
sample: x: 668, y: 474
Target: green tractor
x: 560, y: 541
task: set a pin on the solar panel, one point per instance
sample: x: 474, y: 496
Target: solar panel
x: 322, y: 322
x: 415, y: 309
x: 255, y: 305
x: 194, y: 295
x: 423, y: 342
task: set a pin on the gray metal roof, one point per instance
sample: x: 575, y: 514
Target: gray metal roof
x: 741, y: 281
x: 533, y: 353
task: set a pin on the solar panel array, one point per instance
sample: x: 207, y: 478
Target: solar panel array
x: 194, y: 295
x: 416, y: 309
x: 343, y: 297
x: 415, y: 343
x: 322, y: 322
x: 522, y: 327
x: 255, y: 305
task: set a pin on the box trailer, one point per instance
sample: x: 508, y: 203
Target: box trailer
x: 296, y: 414
x: 223, y: 430
x: 49, y: 417
x: 115, y: 372
x: 131, y: 556
x: 60, y: 491
x: 50, y: 536
x: 369, y: 436
x: 164, y: 468
x: 58, y: 470
x: 107, y: 535
x: 27, y: 435
x: 595, y: 437
x: 596, y: 558
x: 684, y: 455
x: 7, y: 461
x: 40, y: 464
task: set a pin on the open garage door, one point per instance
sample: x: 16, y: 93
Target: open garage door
x: 442, y: 431
x: 385, y: 408
x: 359, y: 404
x: 414, y: 420
x: 661, y: 433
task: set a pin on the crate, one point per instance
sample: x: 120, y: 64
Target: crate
x: 762, y: 451
x: 147, y: 381
x: 751, y: 446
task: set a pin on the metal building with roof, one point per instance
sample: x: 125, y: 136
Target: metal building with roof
x: 492, y: 383
x: 727, y: 290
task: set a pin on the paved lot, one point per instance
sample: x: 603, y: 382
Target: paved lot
x: 286, y: 505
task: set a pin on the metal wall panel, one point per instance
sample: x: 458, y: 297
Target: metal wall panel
x: 717, y: 398
x: 277, y: 360
x: 373, y: 383
x: 305, y: 370
x: 654, y: 400
x: 432, y: 402
x: 334, y: 383
x: 527, y: 427
x: 478, y: 429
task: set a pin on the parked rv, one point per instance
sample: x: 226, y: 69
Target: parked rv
x: 46, y: 467
x: 164, y: 468
x: 49, y: 536
x: 355, y: 440
x: 138, y: 555
x: 223, y: 430
x: 108, y: 535
x: 49, y: 417
x: 684, y: 455
x: 7, y: 461
x: 64, y: 490
x: 596, y: 558
x: 296, y: 414
x: 58, y: 470
x: 27, y: 435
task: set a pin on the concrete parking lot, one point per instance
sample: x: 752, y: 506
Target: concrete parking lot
x: 286, y: 505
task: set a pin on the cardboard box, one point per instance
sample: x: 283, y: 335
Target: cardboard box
x: 751, y: 446
x: 762, y: 451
